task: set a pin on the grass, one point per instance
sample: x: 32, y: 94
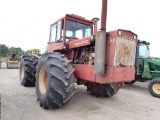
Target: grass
x: 3, y: 59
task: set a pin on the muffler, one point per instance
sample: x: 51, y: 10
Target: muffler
x: 100, y: 43
x: 100, y: 52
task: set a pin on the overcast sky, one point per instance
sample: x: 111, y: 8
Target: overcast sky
x: 26, y: 23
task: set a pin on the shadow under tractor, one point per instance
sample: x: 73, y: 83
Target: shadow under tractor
x: 79, y: 53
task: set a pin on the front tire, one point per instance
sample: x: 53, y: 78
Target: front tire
x: 54, y: 81
x: 154, y: 88
x: 101, y: 90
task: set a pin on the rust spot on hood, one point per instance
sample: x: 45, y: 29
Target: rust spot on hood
x: 125, y: 52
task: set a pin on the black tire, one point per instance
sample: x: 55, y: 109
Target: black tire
x: 130, y: 82
x: 35, y: 61
x: 103, y: 90
x: 27, y: 70
x: 57, y: 80
x: 152, y: 88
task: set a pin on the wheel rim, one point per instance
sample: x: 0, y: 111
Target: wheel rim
x: 21, y: 71
x: 156, y: 88
x: 43, y: 80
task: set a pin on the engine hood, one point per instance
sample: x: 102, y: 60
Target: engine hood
x: 155, y: 61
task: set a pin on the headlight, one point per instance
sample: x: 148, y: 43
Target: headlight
x: 119, y: 32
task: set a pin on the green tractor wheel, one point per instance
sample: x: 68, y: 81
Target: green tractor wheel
x: 154, y: 88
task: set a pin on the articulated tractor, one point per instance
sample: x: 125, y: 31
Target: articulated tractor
x: 80, y: 53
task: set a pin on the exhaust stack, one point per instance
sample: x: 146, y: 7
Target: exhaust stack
x: 104, y: 15
x: 100, y: 44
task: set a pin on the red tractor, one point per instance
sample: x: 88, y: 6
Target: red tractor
x: 79, y: 53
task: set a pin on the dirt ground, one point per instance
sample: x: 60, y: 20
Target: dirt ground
x: 130, y: 103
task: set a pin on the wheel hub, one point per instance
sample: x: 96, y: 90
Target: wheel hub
x: 43, y: 80
x: 21, y: 71
x: 156, y: 88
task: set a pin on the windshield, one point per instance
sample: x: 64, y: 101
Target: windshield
x: 12, y: 55
x: 35, y: 52
x: 144, y: 51
x: 77, y: 30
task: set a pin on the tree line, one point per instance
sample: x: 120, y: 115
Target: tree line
x: 4, y: 50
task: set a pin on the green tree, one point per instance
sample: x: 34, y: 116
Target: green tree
x: 3, y: 50
x: 28, y: 52
x: 15, y: 50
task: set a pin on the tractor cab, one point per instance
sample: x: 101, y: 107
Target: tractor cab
x: 144, y: 51
x: 70, y: 28
x: 13, y: 57
x: 142, y: 54
x: 34, y: 52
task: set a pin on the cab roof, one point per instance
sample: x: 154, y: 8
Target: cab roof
x: 75, y: 17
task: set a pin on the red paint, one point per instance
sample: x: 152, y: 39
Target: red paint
x: 52, y: 47
x: 81, y: 20
x: 79, y: 42
x: 112, y: 75
x: 104, y: 14
x: 116, y: 74
x: 95, y: 27
x: 95, y: 24
x: 70, y: 55
x: 75, y: 18
x: 111, y: 44
x: 64, y: 32
x: 55, y: 46
x: 85, y: 72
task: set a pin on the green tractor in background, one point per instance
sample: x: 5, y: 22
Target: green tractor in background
x: 147, y: 68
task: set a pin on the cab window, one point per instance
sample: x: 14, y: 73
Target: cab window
x: 55, y: 33
x: 77, y: 30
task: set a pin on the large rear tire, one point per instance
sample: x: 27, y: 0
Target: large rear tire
x: 54, y: 81
x: 101, y: 90
x: 27, y: 70
x: 154, y: 88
